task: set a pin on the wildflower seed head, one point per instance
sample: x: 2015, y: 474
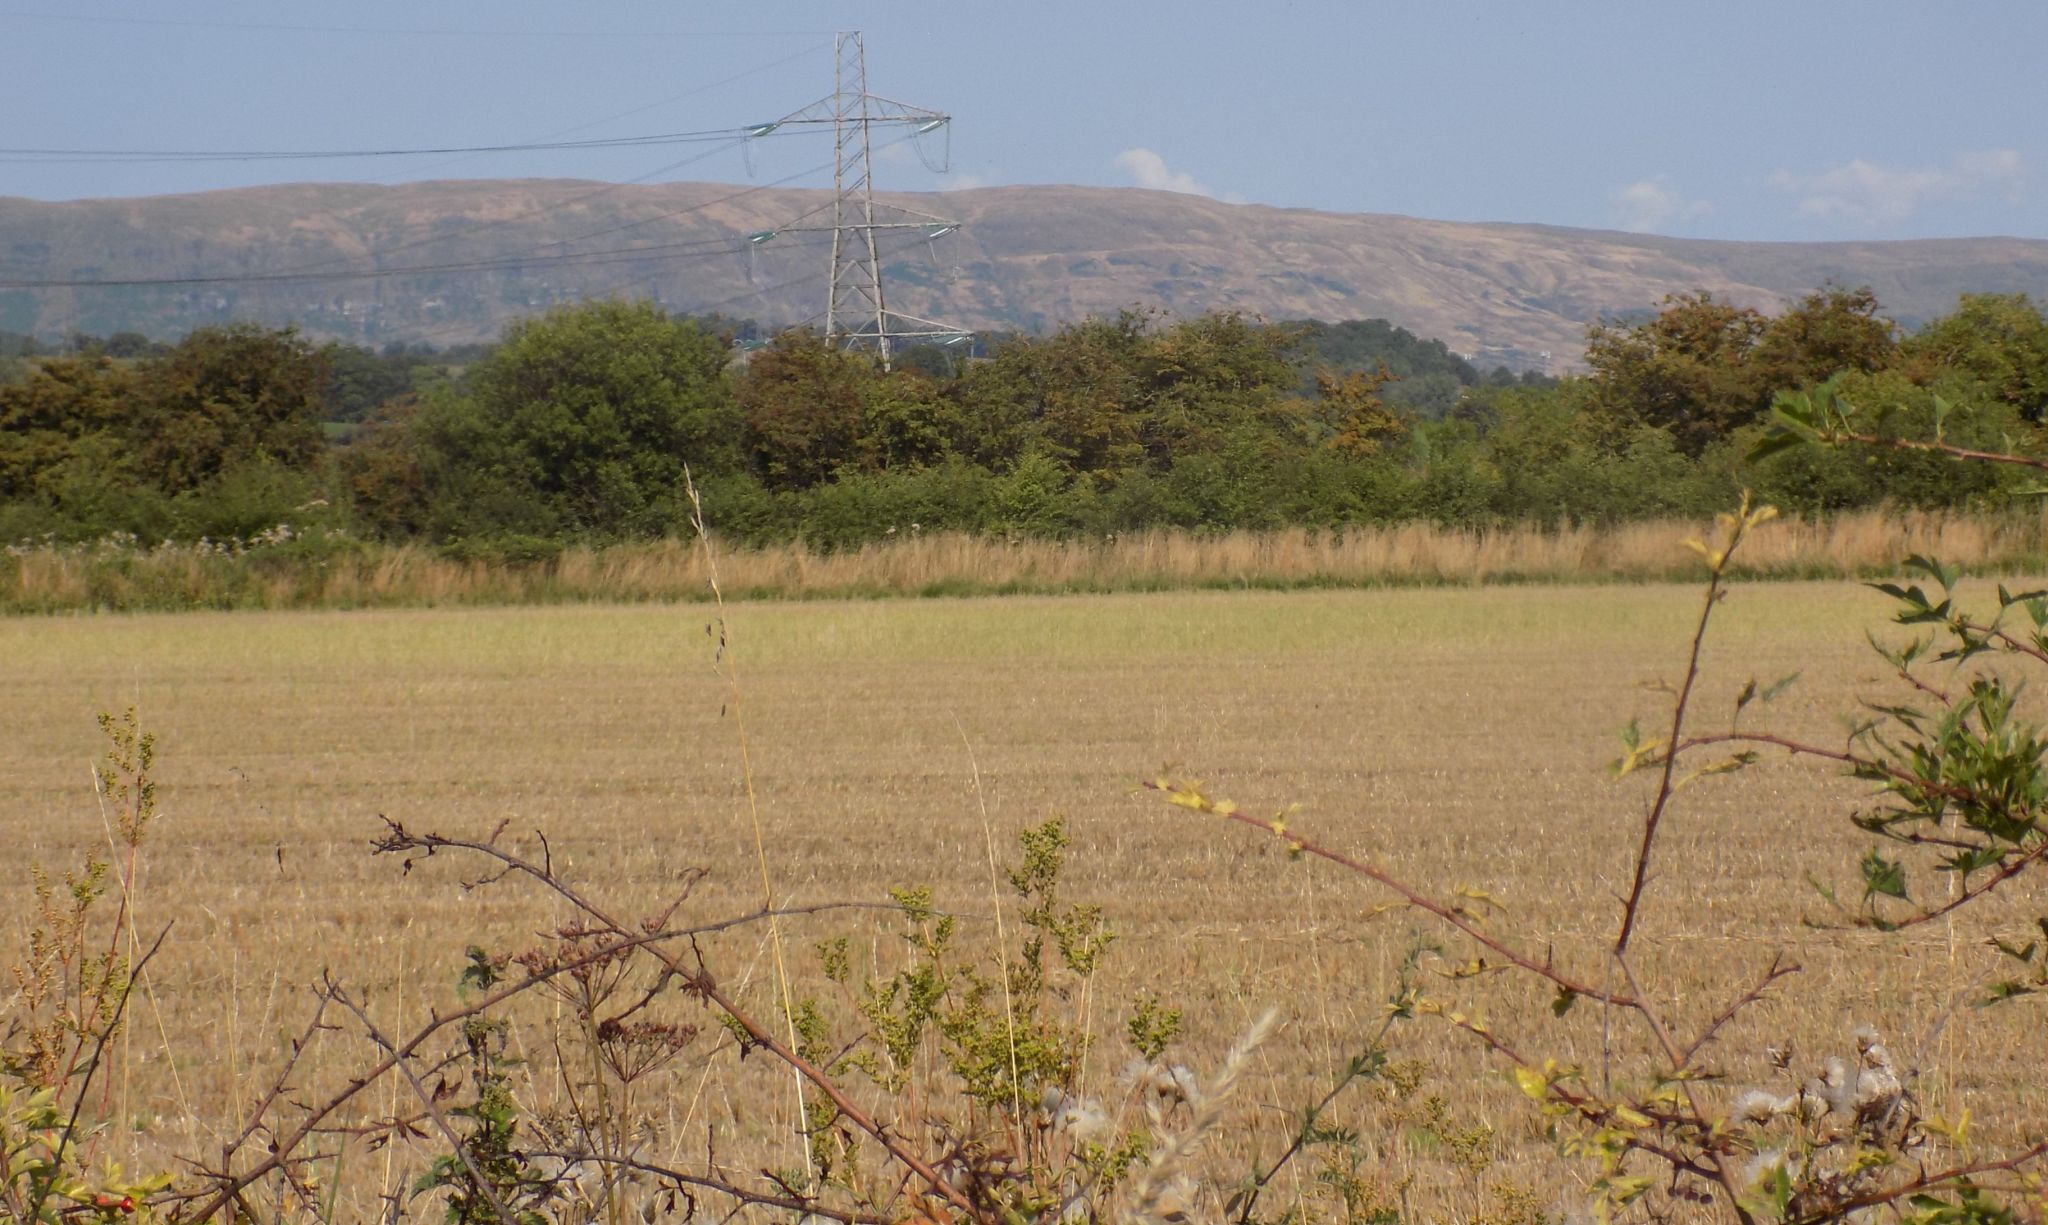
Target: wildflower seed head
x: 1813, y: 1104
x: 1767, y: 1160
x: 1757, y: 1106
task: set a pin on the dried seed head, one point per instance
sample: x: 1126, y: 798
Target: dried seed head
x: 1813, y: 1104
x: 1838, y: 1086
x: 1757, y: 1106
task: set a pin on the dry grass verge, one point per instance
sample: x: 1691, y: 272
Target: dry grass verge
x: 298, y: 575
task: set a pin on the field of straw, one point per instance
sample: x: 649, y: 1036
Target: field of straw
x: 1455, y: 735
x: 37, y: 578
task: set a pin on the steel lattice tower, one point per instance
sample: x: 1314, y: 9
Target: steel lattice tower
x: 857, y: 314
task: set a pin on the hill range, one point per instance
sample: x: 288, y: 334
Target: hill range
x: 462, y: 258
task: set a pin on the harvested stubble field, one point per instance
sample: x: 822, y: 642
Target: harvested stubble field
x: 1457, y: 736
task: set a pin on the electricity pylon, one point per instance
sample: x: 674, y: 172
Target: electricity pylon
x: 857, y: 314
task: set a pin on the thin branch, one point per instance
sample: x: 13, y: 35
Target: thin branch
x: 1954, y: 791
x: 92, y: 1066
x: 1603, y: 1114
x: 232, y: 1184
x: 1304, y: 846
x: 1655, y: 816
x: 399, y: 840
x: 1992, y: 631
x: 477, y: 1179
x: 1942, y: 448
x: 1777, y: 971
x: 1354, y: 1071
x: 802, y: 1205
x: 1926, y: 1182
x: 1968, y: 894
x: 282, y: 1081
x: 1679, y: 1063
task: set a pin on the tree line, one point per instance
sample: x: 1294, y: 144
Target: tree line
x: 579, y: 424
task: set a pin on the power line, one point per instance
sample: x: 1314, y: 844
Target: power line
x: 318, y: 272
x: 706, y: 246
x: 321, y: 271
x: 705, y: 88
x: 573, y: 201
x: 707, y: 308
x: 280, y: 27
x: 60, y: 156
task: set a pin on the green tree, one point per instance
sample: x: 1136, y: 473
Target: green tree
x: 1109, y: 397
x: 1427, y: 377
x: 1359, y: 420
x: 1828, y: 332
x: 1687, y: 370
x: 1212, y: 383
x: 801, y: 400
x: 1069, y: 396
x: 581, y: 422
x: 906, y: 421
x: 360, y: 380
x: 2000, y: 341
x: 69, y: 409
x: 227, y: 397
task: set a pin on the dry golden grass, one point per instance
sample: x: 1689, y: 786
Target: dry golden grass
x: 1456, y: 735
x: 47, y: 579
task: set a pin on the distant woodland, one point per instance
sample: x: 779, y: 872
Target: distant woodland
x: 577, y: 426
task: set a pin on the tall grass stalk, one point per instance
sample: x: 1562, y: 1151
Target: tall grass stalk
x: 995, y: 897
x: 729, y: 665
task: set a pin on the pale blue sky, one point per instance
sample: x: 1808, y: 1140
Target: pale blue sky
x: 1799, y: 119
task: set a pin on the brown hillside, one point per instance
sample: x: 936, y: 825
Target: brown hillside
x: 485, y: 252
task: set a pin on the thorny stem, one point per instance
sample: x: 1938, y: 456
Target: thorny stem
x: 803, y: 1206
x: 1943, y: 448
x: 1678, y: 1066
x: 92, y: 1065
x: 2006, y: 871
x: 1304, y: 846
x: 700, y: 982
x: 1664, y: 782
x: 483, y: 1184
x: 282, y: 1151
x: 1779, y: 969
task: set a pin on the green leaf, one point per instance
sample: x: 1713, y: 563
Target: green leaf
x: 2025, y: 955
x: 1781, y: 439
x: 1778, y: 686
x: 1947, y: 576
x: 1883, y: 877
x: 1748, y: 692
x: 2000, y: 992
x: 1825, y: 890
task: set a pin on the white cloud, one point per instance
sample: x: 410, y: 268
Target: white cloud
x: 1148, y: 169
x: 1648, y: 206
x: 1870, y: 196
